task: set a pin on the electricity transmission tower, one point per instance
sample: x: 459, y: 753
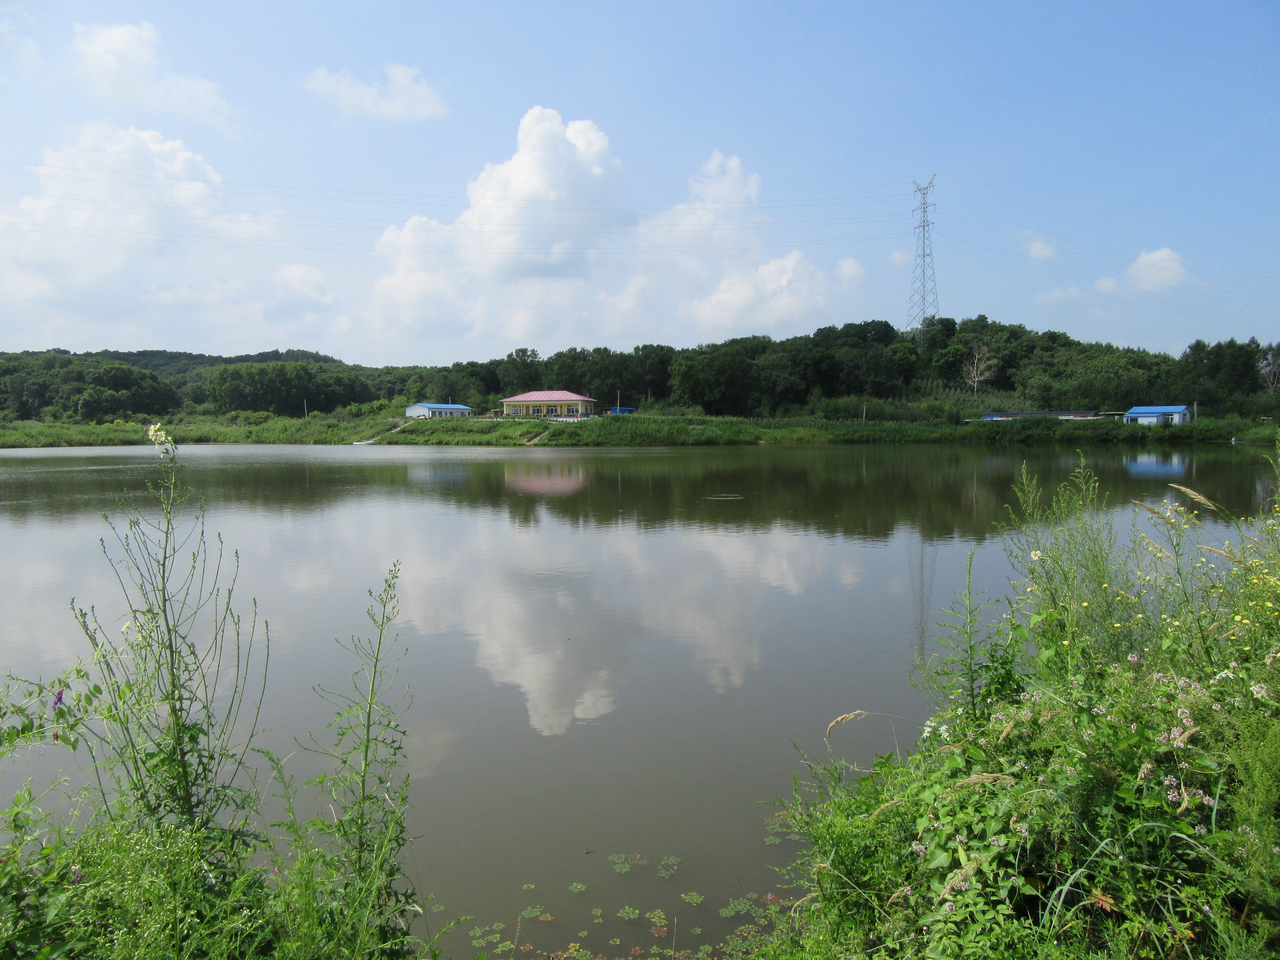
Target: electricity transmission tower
x: 924, y: 288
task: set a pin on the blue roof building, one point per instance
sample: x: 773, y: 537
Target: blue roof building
x: 1154, y: 416
x: 437, y: 410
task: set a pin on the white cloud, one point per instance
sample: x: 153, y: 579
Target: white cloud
x: 23, y: 51
x: 120, y: 62
x: 786, y: 289
x: 1156, y: 270
x: 899, y: 257
x: 301, y: 280
x: 723, y: 180
x: 1060, y: 293
x: 850, y: 270
x: 1105, y: 285
x: 547, y: 251
x: 405, y: 95
x: 145, y: 251
x: 1040, y: 249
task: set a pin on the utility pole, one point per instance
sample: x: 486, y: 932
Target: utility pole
x: 924, y: 288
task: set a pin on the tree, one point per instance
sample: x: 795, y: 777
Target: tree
x: 979, y: 367
x: 1269, y: 367
x: 521, y: 371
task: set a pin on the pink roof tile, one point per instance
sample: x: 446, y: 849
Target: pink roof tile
x: 548, y: 396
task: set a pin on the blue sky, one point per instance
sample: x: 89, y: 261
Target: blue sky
x: 422, y: 183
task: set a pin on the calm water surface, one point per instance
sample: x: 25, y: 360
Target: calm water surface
x: 610, y: 652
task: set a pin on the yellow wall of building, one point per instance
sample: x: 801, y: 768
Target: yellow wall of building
x: 557, y: 409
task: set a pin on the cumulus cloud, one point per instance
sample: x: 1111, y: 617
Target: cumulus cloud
x: 785, y: 289
x: 405, y: 96
x: 145, y: 250
x: 146, y: 189
x: 20, y: 50
x: 850, y: 270
x: 541, y: 213
x: 1059, y: 293
x: 1156, y: 270
x: 1105, y: 285
x: 899, y: 257
x: 1040, y: 249
x: 301, y: 280
x: 547, y: 249
x: 121, y: 62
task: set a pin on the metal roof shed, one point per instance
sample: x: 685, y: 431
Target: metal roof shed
x: 437, y: 410
x: 1156, y: 416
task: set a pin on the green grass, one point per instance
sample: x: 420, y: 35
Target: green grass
x: 1102, y: 777
x: 632, y: 430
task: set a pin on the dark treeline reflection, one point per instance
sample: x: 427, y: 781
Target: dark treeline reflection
x: 862, y: 492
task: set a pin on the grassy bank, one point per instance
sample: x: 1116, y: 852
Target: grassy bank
x: 625, y: 431
x: 638, y: 430
x: 176, y: 857
x: 1102, y: 777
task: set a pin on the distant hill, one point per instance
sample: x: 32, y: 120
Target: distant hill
x: 172, y: 363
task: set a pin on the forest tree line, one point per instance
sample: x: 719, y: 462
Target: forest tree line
x: 944, y: 367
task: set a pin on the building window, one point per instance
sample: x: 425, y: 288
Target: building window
x: 537, y: 410
x: 571, y: 411
x: 553, y: 410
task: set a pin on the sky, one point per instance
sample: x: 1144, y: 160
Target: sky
x: 422, y: 183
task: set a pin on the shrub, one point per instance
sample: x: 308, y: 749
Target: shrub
x: 1115, y: 795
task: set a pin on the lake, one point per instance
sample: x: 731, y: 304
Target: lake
x: 611, y: 653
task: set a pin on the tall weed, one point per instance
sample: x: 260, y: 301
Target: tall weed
x: 1119, y: 799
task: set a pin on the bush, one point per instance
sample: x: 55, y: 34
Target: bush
x: 174, y: 864
x: 1115, y: 795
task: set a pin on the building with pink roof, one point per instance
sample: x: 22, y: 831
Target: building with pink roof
x: 549, y: 403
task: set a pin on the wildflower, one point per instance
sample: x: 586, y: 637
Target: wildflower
x: 1200, y: 830
x: 157, y: 436
x: 1260, y: 690
x: 1036, y: 555
x: 1133, y: 657
x: 1170, y: 781
x: 1174, y: 796
x: 1176, y: 732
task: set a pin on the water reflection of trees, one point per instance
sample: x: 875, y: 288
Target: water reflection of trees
x: 866, y: 493
x: 862, y: 492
